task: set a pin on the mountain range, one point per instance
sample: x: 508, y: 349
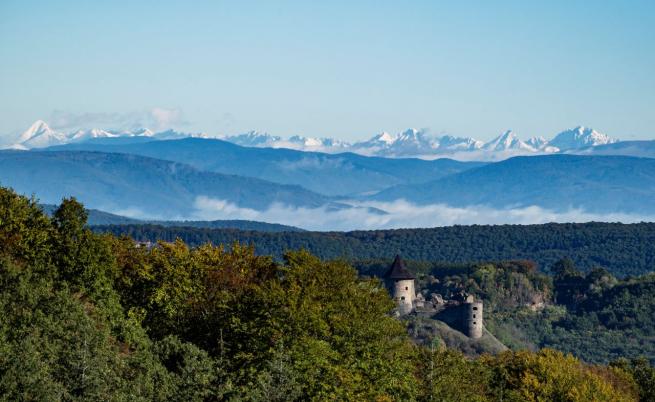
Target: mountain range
x: 409, y: 143
x: 40, y: 135
x: 175, y: 176
x: 345, y: 174
x: 423, y: 144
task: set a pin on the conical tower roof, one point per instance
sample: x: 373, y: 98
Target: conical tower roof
x: 398, y: 270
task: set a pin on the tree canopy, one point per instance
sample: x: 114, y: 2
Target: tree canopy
x: 97, y: 317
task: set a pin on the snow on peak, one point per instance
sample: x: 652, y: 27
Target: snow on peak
x: 253, y: 139
x: 37, y: 128
x: 306, y: 141
x: 507, y: 141
x: 410, y: 133
x: 39, y: 135
x: 449, y: 142
x: 167, y: 135
x: 384, y: 137
x: 537, y: 142
x: 415, y: 143
x: 142, y: 132
x: 580, y: 137
x: 83, y: 135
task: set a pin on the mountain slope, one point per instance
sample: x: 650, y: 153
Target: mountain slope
x: 98, y: 219
x: 139, y: 185
x: 40, y: 135
x: 579, y: 137
x: 507, y: 141
x: 558, y: 182
x: 330, y: 174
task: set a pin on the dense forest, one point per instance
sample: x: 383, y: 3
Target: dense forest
x: 623, y: 249
x: 96, y: 317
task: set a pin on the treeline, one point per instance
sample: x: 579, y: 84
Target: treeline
x: 96, y: 317
x: 624, y: 249
x: 97, y: 217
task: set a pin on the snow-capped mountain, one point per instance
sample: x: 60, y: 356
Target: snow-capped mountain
x: 40, y: 135
x: 254, y: 139
x: 413, y: 142
x: 302, y: 143
x: 82, y: 135
x: 448, y: 142
x: 313, y: 142
x: 507, y: 141
x: 297, y: 142
x: 580, y: 137
x: 408, y: 143
x: 537, y: 142
x: 173, y: 135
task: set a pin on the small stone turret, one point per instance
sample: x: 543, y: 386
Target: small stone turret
x: 473, y: 319
x: 400, y: 283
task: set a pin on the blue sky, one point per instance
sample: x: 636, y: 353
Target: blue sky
x: 341, y: 69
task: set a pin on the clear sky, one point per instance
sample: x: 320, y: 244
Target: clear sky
x: 342, y: 69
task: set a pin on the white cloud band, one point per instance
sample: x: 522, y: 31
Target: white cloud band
x: 400, y: 214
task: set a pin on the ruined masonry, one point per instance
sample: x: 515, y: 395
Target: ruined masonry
x: 467, y: 311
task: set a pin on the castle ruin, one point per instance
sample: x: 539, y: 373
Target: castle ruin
x: 400, y: 283
x: 461, y: 311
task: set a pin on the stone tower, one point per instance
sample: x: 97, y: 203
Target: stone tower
x: 473, y: 319
x: 400, y: 283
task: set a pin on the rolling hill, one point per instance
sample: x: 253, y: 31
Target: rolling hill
x: 329, y: 174
x: 599, y: 184
x: 97, y: 217
x: 139, y: 186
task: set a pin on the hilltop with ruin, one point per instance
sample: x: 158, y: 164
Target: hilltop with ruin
x: 457, y: 321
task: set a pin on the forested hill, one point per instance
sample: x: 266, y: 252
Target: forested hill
x: 624, y: 249
x: 90, y: 317
x: 97, y: 217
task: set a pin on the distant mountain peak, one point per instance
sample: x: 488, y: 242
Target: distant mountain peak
x: 253, y: 139
x: 580, y: 137
x: 384, y: 137
x: 81, y: 135
x: 39, y: 134
x: 144, y: 132
x: 450, y: 142
x: 507, y: 141
x: 37, y: 128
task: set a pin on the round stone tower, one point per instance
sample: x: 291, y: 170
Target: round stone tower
x: 400, y: 283
x: 473, y: 319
